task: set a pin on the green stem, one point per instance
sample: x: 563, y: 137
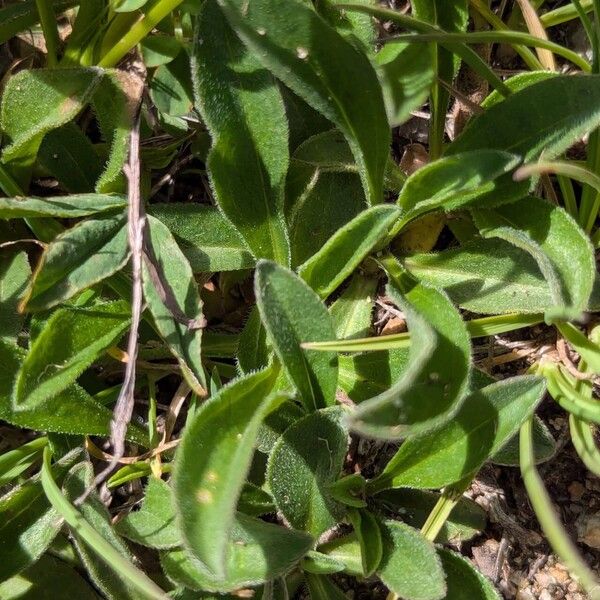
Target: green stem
x: 50, y: 29
x: 482, y: 327
x: 152, y: 17
x: 547, y: 517
x: 462, y: 50
x: 582, y: 437
x: 93, y: 539
x: 505, y: 37
x: 443, y: 508
x: 564, y: 13
x: 527, y: 55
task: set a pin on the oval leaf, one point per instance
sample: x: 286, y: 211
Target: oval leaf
x: 292, y: 313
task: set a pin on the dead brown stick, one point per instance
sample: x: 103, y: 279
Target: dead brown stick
x: 136, y: 223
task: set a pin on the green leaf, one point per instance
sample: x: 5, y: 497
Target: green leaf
x: 304, y: 462
x: 454, y: 181
x: 183, y: 341
x: 406, y: 74
x: 253, y: 353
x: 517, y: 125
x: 561, y: 249
x: 321, y: 587
x: 323, y: 192
x: 255, y: 501
x: 15, y: 462
x: 368, y: 534
x: 276, y: 423
x: 346, y: 551
x: 213, y: 460
x: 159, y: 49
x: 153, y: 525
x: 410, y: 566
x: 352, y: 311
x: 79, y: 479
x: 48, y: 579
x: 350, y: 245
x: 37, y: 101
x: 67, y: 207
x: 279, y: 294
x: 320, y: 564
x: 112, y: 105
x: 487, y: 420
x: 123, y: 6
x: 206, y: 238
x: 356, y: 28
x: 325, y: 70
x: 435, y: 380
x: 466, y: 520
x: 14, y: 274
x: 244, y: 112
x: 27, y: 522
x: 69, y: 156
x: 171, y: 87
x: 71, y: 340
x: 72, y: 411
x: 544, y: 446
x: 463, y: 580
x: 77, y: 259
x: 256, y: 552
x: 487, y: 276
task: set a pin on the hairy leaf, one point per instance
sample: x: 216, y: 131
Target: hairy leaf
x: 206, y: 237
x: 322, y: 588
x: 368, y: 534
x: 77, y: 259
x: 487, y: 276
x: 342, y: 254
x: 464, y: 581
x: 68, y: 207
x: 244, y: 111
x: 466, y: 520
x: 183, y: 340
x: 434, y: 382
x: 79, y: 479
x: 351, y: 312
x: 153, y: 524
x: 14, y: 274
x: 71, y: 340
x: 279, y: 296
x: 305, y: 460
x: 487, y: 420
x: 48, y: 578
x: 257, y: 552
x: 561, y: 249
x: 406, y: 74
x: 410, y: 566
x: 324, y: 69
x: 213, y: 461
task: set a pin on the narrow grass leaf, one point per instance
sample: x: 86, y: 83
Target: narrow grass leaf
x: 244, y: 112
x: 324, y: 69
x: 292, y: 314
